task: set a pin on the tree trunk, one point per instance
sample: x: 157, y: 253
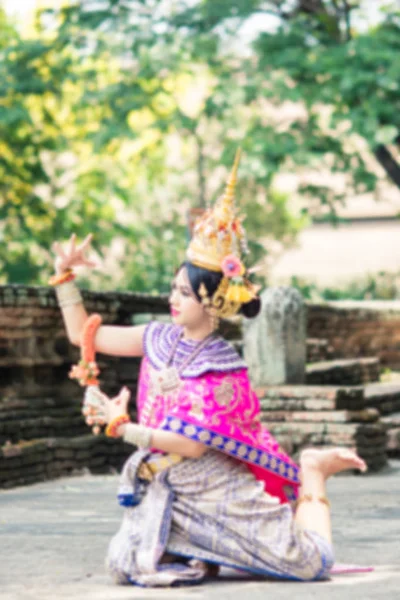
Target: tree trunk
x: 387, y: 161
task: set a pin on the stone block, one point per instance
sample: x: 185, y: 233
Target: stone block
x: 334, y: 416
x: 358, y: 328
x: 296, y: 404
x: 343, y: 372
x: 312, y: 397
x: 63, y: 453
x: 10, y: 462
x: 96, y: 461
x: 393, y: 440
x: 371, y: 452
x: 275, y: 341
x: 10, y: 451
x: 377, y: 462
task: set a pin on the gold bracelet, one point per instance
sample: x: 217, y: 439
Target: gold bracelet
x: 60, y: 278
x: 310, y: 498
x: 115, y: 424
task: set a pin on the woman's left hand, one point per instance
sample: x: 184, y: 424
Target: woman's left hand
x: 99, y: 409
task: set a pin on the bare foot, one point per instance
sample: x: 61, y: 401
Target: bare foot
x: 331, y: 460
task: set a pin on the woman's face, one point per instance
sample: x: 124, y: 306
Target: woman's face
x: 186, y: 310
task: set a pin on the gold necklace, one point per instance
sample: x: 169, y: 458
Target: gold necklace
x: 168, y: 379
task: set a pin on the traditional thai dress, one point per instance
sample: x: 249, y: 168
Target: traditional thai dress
x: 229, y: 507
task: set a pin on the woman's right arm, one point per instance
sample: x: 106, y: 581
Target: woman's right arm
x: 110, y: 339
x: 113, y: 340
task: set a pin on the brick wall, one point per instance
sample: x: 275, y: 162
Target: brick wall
x: 42, y: 432
x: 38, y: 401
x: 355, y: 329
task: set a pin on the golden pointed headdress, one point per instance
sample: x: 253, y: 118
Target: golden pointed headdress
x: 218, y: 242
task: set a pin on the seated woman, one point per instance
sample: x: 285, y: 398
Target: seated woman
x: 208, y: 484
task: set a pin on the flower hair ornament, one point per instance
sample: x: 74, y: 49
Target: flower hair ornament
x: 218, y: 241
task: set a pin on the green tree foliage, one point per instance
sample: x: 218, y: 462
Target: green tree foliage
x: 62, y: 168
x: 320, y: 56
x: 117, y: 116
x: 43, y: 196
x: 21, y: 141
x: 379, y: 286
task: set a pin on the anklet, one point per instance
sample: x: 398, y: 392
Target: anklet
x: 310, y: 498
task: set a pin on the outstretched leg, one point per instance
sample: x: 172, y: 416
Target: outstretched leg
x: 316, y: 466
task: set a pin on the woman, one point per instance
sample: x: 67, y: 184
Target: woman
x: 208, y: 485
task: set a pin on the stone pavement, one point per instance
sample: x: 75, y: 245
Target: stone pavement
x: 54, y: 535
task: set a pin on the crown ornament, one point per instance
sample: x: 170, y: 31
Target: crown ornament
x: 218, y: 243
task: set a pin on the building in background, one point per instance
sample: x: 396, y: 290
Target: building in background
x: 365, y: 242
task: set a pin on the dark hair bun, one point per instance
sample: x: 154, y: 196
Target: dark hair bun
x: 251, y: 309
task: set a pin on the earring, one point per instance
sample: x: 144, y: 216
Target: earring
x: 207, y: 303
x: 214, y: 318
x: 205, y: 300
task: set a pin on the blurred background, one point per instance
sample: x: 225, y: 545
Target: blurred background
x: 119, y: 117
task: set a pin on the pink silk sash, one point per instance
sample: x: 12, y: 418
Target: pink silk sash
x: 222, y: 411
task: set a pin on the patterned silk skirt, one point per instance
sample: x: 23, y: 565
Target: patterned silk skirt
x: 209, y: 510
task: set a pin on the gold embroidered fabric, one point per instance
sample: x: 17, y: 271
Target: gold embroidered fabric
x: 157, y: 463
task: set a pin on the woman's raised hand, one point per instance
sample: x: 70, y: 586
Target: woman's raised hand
x: 73, y: 255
